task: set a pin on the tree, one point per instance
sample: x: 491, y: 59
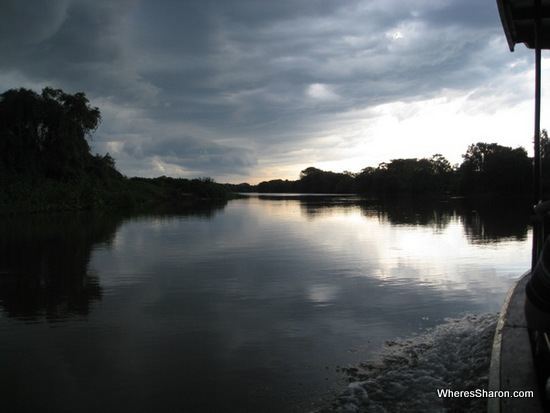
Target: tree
x: 545, y: 162
x: 440, y: 165
x: 309, y: 172
x: 490, y: 167
x: 313, y: 180
x: 46, y: 134
x: 544, y: 144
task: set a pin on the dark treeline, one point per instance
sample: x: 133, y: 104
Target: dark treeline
x: 487, y: 168
x: 46, y: 162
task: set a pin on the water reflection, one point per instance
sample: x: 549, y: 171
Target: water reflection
x: 44, y: 263
x: 244, y: 307
x: 484, y: 221
x: 496, y: 220
x: 44, y: 259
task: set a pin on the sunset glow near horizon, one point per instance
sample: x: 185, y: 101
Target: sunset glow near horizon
x: 244, y: 92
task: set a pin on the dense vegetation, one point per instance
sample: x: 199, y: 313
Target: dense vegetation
x: 487, y: 168
x: 46, y: 162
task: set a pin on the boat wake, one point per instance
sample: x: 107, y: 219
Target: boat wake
x: 407, y: 374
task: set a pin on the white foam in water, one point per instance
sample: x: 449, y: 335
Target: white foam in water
x: 454, y: 355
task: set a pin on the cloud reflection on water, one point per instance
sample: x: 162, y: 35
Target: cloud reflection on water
x: 254, y: 305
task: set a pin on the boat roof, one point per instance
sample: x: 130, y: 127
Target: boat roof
x: 518, y: 21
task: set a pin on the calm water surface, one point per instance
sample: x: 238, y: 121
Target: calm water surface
x: 249, y: 306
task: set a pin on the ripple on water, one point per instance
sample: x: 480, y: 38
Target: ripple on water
x: 406, y: 375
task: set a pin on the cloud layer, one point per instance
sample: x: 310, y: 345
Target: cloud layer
x: 244, y: 90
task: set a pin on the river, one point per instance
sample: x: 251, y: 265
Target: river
x: 252, y: 305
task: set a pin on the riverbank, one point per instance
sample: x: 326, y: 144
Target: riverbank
x: 48, y: 195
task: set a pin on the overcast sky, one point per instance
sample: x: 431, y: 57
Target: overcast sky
x: 248, y: 90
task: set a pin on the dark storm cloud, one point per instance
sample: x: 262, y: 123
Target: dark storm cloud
x: 79, y: 45
x: 39, y: 19
x: 265, y: 76
x: 192, y: 154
